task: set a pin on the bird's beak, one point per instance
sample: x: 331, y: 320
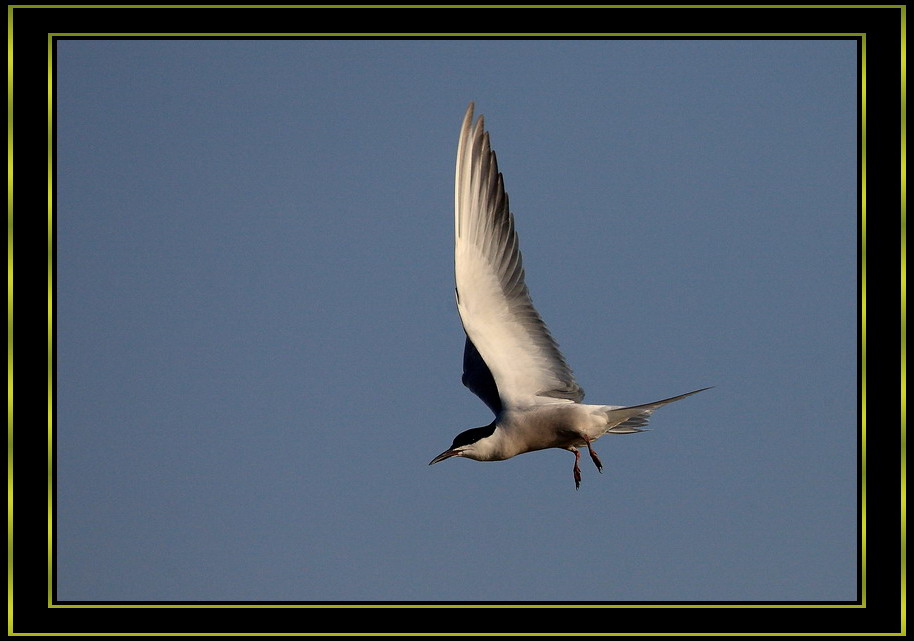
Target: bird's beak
x: 445, y: 454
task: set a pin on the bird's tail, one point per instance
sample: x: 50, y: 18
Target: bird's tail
x: 632, y: 419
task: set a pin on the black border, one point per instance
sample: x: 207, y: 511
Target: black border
x: 882, y: 613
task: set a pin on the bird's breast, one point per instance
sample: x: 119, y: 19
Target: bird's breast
x: 554, y: 425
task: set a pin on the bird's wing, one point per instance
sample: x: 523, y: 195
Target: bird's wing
x: 478, y: 378
x: 502, y: 326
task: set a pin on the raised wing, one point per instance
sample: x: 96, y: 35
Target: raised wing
x: 502, y: 326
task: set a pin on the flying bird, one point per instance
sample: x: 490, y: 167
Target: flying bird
x: 510, y: 359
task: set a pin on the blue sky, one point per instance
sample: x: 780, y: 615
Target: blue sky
x: 258, y: 351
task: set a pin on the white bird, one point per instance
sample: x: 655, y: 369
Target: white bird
x: 510, y: 359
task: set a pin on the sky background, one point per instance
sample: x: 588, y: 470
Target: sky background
x: 258, y: 350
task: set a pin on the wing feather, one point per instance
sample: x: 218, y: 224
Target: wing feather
x: 503, y: 327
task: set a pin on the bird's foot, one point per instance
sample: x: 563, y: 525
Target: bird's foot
x: 593, y: 456
x: 596, y: 461
x: 577, y: 469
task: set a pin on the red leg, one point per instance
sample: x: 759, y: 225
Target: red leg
x: 577, y: 468
x: 593, y: 455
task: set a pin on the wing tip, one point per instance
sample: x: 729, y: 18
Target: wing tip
x: 468, y: 116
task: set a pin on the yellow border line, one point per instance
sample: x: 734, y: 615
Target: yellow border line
x: 459, y: 6
x: 904, y: 318
x: 9, y: 320
x: 468, y: 634
x: 576, y: 34
x: 388, y: 35
x: 391, y: 605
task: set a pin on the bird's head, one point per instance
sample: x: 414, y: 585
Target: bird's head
x: 476, y: 444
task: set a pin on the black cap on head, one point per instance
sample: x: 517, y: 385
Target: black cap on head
x: 473, y: 435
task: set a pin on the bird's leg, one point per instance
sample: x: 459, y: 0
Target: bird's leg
x: 577, y: 468
x: 593, y: 455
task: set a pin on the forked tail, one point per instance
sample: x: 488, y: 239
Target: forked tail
x: 632, y: 419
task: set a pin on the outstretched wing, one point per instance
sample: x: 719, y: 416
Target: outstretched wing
x: 502, y: 326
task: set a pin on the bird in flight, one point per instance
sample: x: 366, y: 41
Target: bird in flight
x: 510, y: 359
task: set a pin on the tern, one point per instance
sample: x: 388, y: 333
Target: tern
x: 510, y: 359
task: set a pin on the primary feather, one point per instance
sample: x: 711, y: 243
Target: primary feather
x: 508, y: 344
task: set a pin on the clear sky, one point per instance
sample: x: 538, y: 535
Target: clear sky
x: 258, y: 350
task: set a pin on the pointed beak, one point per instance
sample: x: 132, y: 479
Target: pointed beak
x: 445, y: 454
